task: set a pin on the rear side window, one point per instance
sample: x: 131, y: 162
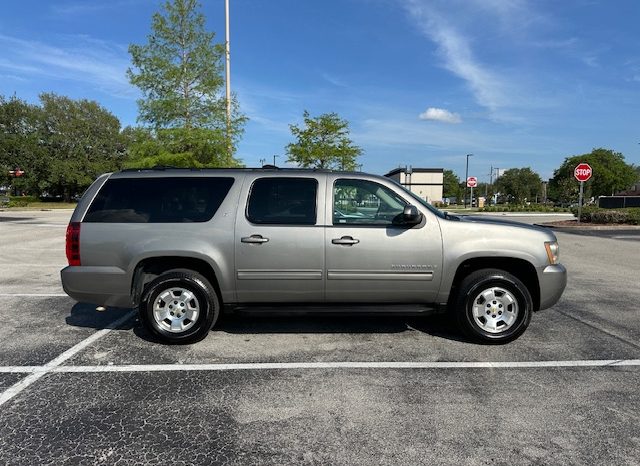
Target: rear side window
x: 283, y: 201
x: 158, y: 200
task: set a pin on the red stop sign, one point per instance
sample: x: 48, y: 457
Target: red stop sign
x: 583, y: 172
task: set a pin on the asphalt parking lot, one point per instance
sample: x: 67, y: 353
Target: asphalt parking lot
x: 83, y: 387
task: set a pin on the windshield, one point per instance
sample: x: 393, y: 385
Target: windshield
x: 423, y: 202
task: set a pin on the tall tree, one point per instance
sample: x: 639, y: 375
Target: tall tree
x: 179, y: 72
x: 521, y: 184
x: 610, y: 175
x: 451, y: 185
x: 323, y: 142
x: 19, y: 141
x: 62, y: 144
x: 80, y: 140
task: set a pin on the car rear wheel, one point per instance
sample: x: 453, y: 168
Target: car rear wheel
x: 179, y: 307
x: 493, y: 306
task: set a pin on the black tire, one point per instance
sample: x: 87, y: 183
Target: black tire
x: 195, y: 293
x: 515, y: 320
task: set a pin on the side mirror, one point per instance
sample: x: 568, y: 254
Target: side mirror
x: 411, y: 215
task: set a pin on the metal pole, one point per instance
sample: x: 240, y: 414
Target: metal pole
x: 486, y: 191
x: 466, y: 175
x: 580, y: 200
x: 228, y: 72
x: 274, y: 159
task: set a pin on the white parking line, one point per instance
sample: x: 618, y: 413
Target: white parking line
x: 39, y: 225
x: 12, y: 248
x: 321, y: 365
x: 20, y: 369
x: 40, y: 371
x: 31, y: 295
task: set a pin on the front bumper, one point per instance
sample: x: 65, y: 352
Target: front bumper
x: 553, y: 280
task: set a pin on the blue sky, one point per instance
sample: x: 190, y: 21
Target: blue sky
x: 422, y: 82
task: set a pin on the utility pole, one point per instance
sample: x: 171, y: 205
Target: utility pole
x: 466, y: 176
x: 486, y: 189
x: 263, y: 162
x: 228, y: 72
x: 274, y: 159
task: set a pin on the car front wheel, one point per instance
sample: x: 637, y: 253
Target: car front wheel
x: 493, y: 306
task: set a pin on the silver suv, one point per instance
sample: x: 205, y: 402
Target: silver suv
x: 180, y: 244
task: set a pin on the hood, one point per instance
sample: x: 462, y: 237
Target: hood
x: 499, y: 221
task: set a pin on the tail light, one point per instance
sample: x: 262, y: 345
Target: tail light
x: 73, y: 243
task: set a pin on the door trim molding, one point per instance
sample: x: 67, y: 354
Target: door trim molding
x: 399, y: 275
x: 279, y: 274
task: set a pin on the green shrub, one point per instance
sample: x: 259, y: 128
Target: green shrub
x: 21, y: 201
x: 522, y: 208
x: 634, y: 216
x: 593, y: 214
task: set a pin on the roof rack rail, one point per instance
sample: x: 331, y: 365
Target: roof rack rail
x: 264, y: 167
x: 159, y: 168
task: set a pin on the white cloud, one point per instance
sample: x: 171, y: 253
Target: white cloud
x: 333, y: 80
x: 569, y: 43
x: 78, y: 58
x: 12, y: 77
x: 486, y: 86
x: 440, y: 114
x: 591, y: 61
x: 75, y: 8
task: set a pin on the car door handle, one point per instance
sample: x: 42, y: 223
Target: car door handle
x: 346, y: 240
x: 254, y: 239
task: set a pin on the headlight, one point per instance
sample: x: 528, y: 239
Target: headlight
x: 553, y: 251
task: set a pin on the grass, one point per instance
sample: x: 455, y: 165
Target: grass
x: 40, y: 206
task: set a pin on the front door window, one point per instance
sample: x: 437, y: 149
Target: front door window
x: 362, y: 202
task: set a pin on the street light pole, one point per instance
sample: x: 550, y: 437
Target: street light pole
x: 466, y: 176
x: 228, y: 75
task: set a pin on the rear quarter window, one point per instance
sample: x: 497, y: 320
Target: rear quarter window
x: 158, y: 200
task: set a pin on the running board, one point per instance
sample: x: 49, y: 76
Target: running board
x: 336, y: 309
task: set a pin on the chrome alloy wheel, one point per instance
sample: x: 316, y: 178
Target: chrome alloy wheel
x: 176, y: 310
x: 495, y: 309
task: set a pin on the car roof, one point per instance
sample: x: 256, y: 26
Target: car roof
x: 161, y: 171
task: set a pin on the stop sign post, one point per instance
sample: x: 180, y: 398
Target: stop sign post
x: 583, y: 173
x: 472, y: 182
